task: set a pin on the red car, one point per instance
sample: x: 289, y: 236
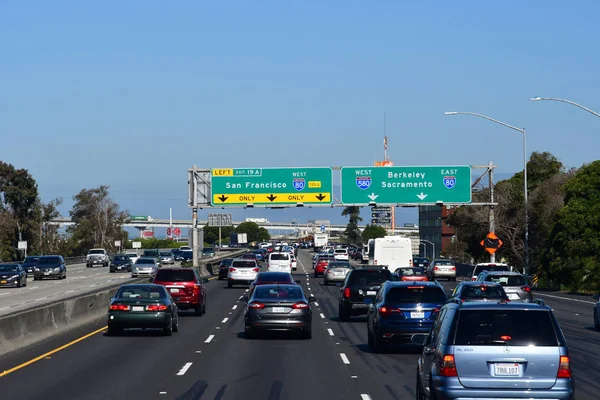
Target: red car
x: 321, y: 265
x: 271, y: 278
x: 414, y: 274
x: 185, y: 286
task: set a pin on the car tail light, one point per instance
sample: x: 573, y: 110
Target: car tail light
x: 384, y: 311
x: 119, y: 307
x: 196, y: 290
x: 231, y: 269
x: 526, y: 289
x: 156, y: 307
x: 300, y: 305
x: 347, y: 293
x: 255, y: 269
x: 473, y: 279
x: 564, y: 367
x: 437, y: 310
x: 436, y: 269
x: 453, y: 269
x: 256, y: 305
x: 448, y: 366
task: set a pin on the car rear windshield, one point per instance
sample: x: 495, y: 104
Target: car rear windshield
x: 49, y: 260
x: 505, y: 327
x: 339, y: 264
x: 120, y: 258
x: 420, y: 260
x: 280, y: 257
x: 150, y: 253
x: 96, y: 252
x: 280, y: 292
x: 166, y: 254
x: 226, y: 261
x: 140, y: 292
x: 31, y: 259
x: 411, y: 271
x: 483, y: 292
x: 506, y: 280
x: 410, y: 294
x: 175, y: 275
x: 443, y: 262
x: 274, y: 277
x: 145, y: 261
x: 480, y: 268
x: 369, y: 277
x: 243, y: 264
x: 9, y: 268
x: 340, y: 251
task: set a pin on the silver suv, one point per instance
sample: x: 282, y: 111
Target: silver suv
x: 514, y: 284
x: 494, y: 351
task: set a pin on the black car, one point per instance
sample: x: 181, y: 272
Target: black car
x: 142, y: 306
x: 186, y: 255
x: 12, y: 274
x: 177, y: 254
x: 50, y: 267
x: 30, y: 263
x: 422, y: 262
x: 120, y: 263
x: 278, y: 308
x: 224, y: 265
x: 359, y: 290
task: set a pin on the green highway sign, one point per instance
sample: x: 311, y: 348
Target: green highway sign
x: 271, y: 186
x: 405, y: 185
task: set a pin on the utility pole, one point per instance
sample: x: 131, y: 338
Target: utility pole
x: 195, y: 238
x: 492, y: 222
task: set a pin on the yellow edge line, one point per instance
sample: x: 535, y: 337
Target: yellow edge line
x: 18, y: 367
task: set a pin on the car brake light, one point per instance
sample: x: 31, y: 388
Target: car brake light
x: 384, y: 311
x: 436, y: 269
x: 453, y: 269
x: 473, y: 279
x: 231, y: 269
x: 119, y: 307
x: 255, y: 269
x: 156, y: 307
x: 564, y: 367
x: 448, y: 366
x: 526, y: 289
x: 437, y: 310
x: 256, y: 305
x: 196, y: 290
x: 300, y: 305
x: 347, y: 293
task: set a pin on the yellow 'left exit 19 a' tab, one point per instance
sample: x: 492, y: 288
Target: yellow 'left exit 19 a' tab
x: 222, y: 172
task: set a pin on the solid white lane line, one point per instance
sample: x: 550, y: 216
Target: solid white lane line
x: 322, y: 315
x: 224, y: 320
x: 365, y: 397
x: 344, y: 358
x: 184, y: 369
x: 234, y: 307
x: 565, y: 298
x: 330, y: 332
x: 211, y: 337
x: 309, y: 288
x: 162, y: 392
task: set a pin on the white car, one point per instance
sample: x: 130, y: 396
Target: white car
x: 280, y: 262
x: 340, y: 254
x: 242, y: 270
x: 294, y: 263
x: 133, y: 257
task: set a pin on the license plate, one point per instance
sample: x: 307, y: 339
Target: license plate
x: 417, y: 315
x: 506, y: 369
x: 371, y: 293
x: 174, y: 290
x: 119, y: 267
x: 3, y: 281
x: 137, y: 308
x: 46, y: 273
x: 278, y: 309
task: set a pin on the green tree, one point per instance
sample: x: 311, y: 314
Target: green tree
x: 352, y: 233
x: 211, y: 234
x: 263, y: 235
x: 572, y: 258
x: 98, y: 220
x: 251, y: 229
x: 373, y: 232
x: 50, y: 239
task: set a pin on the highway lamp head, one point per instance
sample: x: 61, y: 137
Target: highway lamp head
x: 249, y: 205
x: 535, y: 98
x: 450, y: 113
x: 299, y: 204
x: 372, y: 204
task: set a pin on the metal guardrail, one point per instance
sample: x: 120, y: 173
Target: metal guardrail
x: 75, y: 260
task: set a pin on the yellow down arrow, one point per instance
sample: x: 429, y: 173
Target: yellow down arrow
x: 274, y: 198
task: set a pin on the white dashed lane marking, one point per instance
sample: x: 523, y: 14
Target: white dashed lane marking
x: 344, y: 358
x: 211, y: 337
x: 330, y: 332
x: 184, y: 369
x: 224, y: 320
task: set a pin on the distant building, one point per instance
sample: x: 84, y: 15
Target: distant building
x: 433, y: 228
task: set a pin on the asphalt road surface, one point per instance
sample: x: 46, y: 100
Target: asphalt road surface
x: 210, y: 359
x: 80, y: 280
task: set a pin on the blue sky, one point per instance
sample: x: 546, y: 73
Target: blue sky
x: 133, y: 93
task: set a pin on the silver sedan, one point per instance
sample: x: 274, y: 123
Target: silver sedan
x: 144, y: 266
x: 336, y: 272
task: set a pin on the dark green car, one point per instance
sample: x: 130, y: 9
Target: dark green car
x: 142, y: 306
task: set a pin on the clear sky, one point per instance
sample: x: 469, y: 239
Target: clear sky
x: 133, y: 93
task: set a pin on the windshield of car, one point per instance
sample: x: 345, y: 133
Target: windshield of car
x: 140, y: 292
x: 371, y: 277
x: 151, y: 253
x: 483, y: 292
x: 416, y: 294
x: 443, y: 262
x: 480, y: 268
x: 9, y: 268
x: 339, y: 264
x: 243, y: 264
x: 505, y: 327
x: 420, y: 260
x: 226, y: 262
x: 49, y: 260
x: 145, y: 261
x: 287, y: 249
x: 506, y: 280
x: 208, y: 250
x: 120, y: 258
x: 279, y: 292
x: 31, y: 260
x: 340, y: 251
x: 274, y: 277
x: 280, y: 257
x: 175, y: 275
x: 411, y: 271
x: 166, y: 254
x: 96, y: 252
x: 131, y: 255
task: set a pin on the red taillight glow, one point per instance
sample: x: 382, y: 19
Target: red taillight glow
x: 384, y: 311
x: 506, y: 337
x: 473, y: 279
x: 347, y: 293
x: 436, y: 269
x: 255, y: 269
x: 119, y: 307
x: 453, y: 269
x: 526, y: 289
x: 196, y: 290
x: 564, y: 367
x: 448, y: 366
x: 256, y: 305
x: 436, y: 310
x: 300, y: 305
x: 231, y: 269
x: 156, y: 307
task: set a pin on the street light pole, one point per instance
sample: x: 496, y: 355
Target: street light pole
x: 525, y: 190
x: 566, y: 101
x: 432, y: 247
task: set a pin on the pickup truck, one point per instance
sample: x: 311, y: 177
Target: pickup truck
x: 97, y: 258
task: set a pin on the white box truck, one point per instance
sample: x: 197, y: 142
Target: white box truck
x: 321, y: 240
x: 393, y: 251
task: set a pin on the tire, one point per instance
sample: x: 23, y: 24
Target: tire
x: 204, y: 307
x: 377, y: 346
x: 19, y: 284
x: 343, y: 314
x: 114, y: 331
x: 199, y: 310
x: 168, y: 329
x: 370, y: 339
x: 419, y: 395
x: 176, y: 325
x: 112, y: 271
x: 249, y: 334
x: 325, y: 283
x: 307, y: 335
x: 316, y: 276
x: 25, y: 284
x: 229, y: 284
x: 596, y: 322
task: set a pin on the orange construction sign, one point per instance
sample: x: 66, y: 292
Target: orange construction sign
x: 491, y: 243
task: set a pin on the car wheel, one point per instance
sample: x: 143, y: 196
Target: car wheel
x: 377, y: 345
x: 25, y: 283
x: 596, y: 322
x: 229, y: 284
x: 176, y: 325
x: 114, y: 331
x: 325, y: 282
x: 19, y: 284
x: 307, y: 334
x: 199, y: 310
x: 168, y: 329
x: 418, y: 390
x: 370, y: 339
x: 112, y: 271
x: 343, y: 314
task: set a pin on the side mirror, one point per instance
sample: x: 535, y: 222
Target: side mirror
x: 312, y: 298
x: 419, y: 339
x: 112, y: 299
x: 244, y: 298
x: 597, y: 297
